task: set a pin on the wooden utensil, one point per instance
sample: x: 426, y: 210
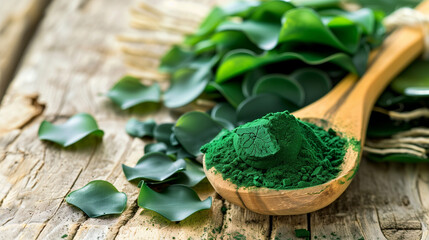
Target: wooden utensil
x: 346, y: 109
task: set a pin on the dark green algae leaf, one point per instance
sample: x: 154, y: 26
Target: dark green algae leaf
x: 174, y: 59
x: 162, y: 132
x: 232, y: 91
x: 98, y: 198
x: 140, y: 129
x: 364, y: 17
x: 240, y: 61
x: 401, y: 158
x: 303, y: 24
x: 194, y: 129
x: 217, y: 16
x: 129, y: 92
x: 191, y: 176
x: 155, y: 147
x: 260, y: 105
x: 263, y: 34
x: 413, y: 81
x: 387, y: 6
x: 315, y: 83
x: 281, y: 85
x: 175, y: 203
x: 225, y: 114
x: 155, y: 166
x: 75, y: 129
x: 188, y: 83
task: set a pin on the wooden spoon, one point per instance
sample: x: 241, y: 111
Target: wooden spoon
x: 346, y: 109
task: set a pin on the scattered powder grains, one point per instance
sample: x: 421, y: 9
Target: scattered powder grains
x: 276, y: 151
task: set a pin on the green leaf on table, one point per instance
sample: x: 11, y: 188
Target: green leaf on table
x: 226, y: 41
x: 364, y: 17
x: 217, y: 16
x: 301, y: 25
x: 140, y: 129
x: 225, y: 114
x: 260, y: 105
x: 387, y: 6
x: 414, y: 80
x: 250, y: 80
x: 263, y: 34
x: 240, y: 61
x: 155, y: 166
x: 314, y: 82
x: 193, y: 174
x: 281, y: 85
x: 174, y: 59
x: 75, y: 129
x: 162, y: 133
x: 232, y: 91
x: 173, y: 140
x: 129, y: 92
x: 270, y: 11
x: 175, y: 203
x: 183, y: 154
x: 317, y: 4
x: 401, y: 158
x: 98, y: 198
x: 262, y: 26
x: 194, y: 129
x: 155, y: 147
x: 188, y: 83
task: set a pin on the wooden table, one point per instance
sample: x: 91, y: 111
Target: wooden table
x: 63, y: 63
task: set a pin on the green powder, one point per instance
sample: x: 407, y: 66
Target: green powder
x: 276, y: 151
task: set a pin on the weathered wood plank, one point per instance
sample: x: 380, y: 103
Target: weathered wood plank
x: 384, y: 201
x: 72, y: 59
x: 18, y: 20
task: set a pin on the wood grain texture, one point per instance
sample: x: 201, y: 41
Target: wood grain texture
x: 18, y: 21
x: 72, y: 59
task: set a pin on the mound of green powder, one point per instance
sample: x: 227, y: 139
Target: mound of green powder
x: 276, y: 151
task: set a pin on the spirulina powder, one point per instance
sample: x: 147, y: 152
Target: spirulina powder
x: 276, y: 151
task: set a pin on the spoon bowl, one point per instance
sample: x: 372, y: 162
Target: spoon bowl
x: 346, y: 109
x: 292, y: 201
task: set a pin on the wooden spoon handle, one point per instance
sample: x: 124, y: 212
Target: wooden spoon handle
x: 397, y: 52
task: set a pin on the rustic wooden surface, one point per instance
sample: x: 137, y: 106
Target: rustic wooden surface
x: 72, y: 58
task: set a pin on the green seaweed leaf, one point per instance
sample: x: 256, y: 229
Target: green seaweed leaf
x: 162, y: 132
x: 174, y: 59
x: 413, y: 81
x: 155, y: 166
x: 98, y: 198
x: 303, y: 24
x: 155, y: 147
x: 260, y: 105
x: 263, y: 34
x: 314, y: 82
x: 188, y: 83
x: 75, y: 129
x: 364, y: 17
x: 232, y: 91
x: 225, y: 114
x: 194, y: 129
x: 217, y: 16
x: 240, y: 61
x: 129, y: 92
x: 191, y: 176
x: 281, y: 85
x: 175, y: 203
x: 140, y: 129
